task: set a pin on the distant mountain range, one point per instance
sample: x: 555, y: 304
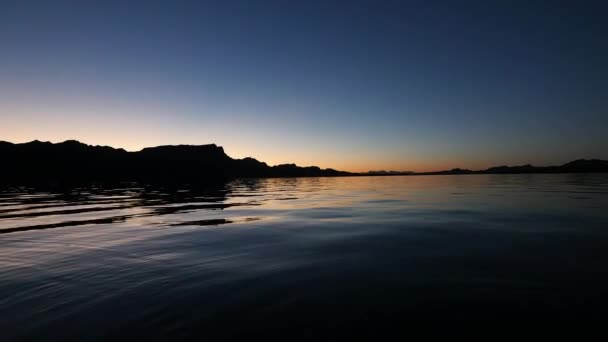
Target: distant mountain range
x: 73, y: 161
x: 577, y: 166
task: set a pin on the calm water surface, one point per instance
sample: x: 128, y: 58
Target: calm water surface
x: 483, y: 255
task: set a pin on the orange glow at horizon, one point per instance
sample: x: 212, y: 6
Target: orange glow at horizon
x: 240, y: 149
x: 271, y: 142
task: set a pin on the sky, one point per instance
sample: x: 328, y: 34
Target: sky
x: 352, y: 85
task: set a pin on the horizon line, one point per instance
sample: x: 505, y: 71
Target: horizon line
x: 371, y: 171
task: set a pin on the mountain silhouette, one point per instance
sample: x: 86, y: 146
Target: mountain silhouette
x: 73, y: 161
x: 577, y: 166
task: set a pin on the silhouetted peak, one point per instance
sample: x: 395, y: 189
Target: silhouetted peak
x: 586, y: 165
x: 38, y: 142
x: 515, y: 169
x: 191, y: 153
x: 73, y: 145
x: 251, y: 161
x: 73, y: 142
x: 586, y: 162
x: 186, y: 148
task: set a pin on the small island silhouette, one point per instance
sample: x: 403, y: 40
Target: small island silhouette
x: 73, y: 161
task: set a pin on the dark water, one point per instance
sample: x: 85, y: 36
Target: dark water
x: 500, y: 256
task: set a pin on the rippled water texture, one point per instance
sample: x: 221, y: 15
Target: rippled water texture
x: 486, y: 255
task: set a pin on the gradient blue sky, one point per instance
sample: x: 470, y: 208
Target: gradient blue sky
x: 354, y: 85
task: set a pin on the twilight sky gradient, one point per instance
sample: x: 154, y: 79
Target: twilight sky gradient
x: 354, y: 85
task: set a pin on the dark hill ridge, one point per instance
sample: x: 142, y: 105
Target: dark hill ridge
x: 577, y: 166
x: 73, y: 161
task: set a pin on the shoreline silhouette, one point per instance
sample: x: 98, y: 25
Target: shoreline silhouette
x: 73, y: 161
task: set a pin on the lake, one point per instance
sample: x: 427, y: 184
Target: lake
x: 491, y: 256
